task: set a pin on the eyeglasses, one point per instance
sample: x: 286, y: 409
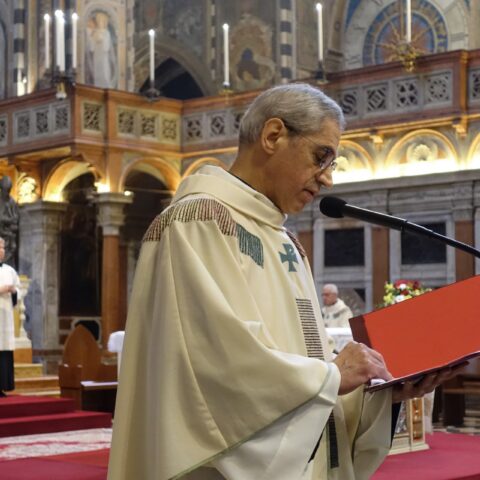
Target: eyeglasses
x: 325, y: 157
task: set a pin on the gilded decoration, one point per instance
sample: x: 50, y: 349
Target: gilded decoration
x: 251, y: 54
x: 27, y: 191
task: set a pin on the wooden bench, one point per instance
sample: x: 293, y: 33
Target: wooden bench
x: 83, y: 376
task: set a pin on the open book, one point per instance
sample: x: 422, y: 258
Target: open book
x: 426, y: 333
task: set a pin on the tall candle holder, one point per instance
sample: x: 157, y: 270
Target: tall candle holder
x: 321, y: 74
x: 151, y: 93
x: 62, y: 81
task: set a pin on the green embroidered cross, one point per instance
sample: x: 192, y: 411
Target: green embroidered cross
x: 289, y: 257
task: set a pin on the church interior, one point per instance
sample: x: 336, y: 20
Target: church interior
x: 105, y: 106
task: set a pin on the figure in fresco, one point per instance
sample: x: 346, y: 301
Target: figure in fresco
x: 9, y: 216
x: 3, y: 51
x: 101, y: 60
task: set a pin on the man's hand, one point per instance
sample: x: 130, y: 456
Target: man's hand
x: 358, y: 364
x: 427, y: 384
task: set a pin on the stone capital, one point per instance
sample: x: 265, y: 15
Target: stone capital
x: 111, y: 214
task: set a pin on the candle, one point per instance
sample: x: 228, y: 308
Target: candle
x: 60, y: 40
x: 409, y: 21
x: 74, y: 40
x: 226, y: 60
x: 152, y: 56
x: 318, y: 6
x: 46, y: 18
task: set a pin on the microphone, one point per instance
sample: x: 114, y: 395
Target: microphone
x: 337, y: 208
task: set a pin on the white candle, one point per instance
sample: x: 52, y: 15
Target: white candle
x: 60, y: 40
x: 152, y: 56
x: 226, y: 57
x: 409, y: 21
x: 318, y: 6
x: 74, y: 40
x: 46, y: 18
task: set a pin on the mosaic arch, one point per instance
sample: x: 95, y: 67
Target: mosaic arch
x: 62, y: 175
x: 421, y: 152
x: 154, y: 166
x: 374, y: 29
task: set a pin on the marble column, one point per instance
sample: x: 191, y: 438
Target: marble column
x: 111, y: 217
x: 39, y: 255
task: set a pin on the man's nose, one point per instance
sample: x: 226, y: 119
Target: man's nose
x: 324, y: 178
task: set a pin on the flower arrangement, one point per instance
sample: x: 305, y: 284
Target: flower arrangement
x: 402, y: 290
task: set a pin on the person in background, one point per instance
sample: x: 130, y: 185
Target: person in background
x: 335, y: 312
x: 9, y: 291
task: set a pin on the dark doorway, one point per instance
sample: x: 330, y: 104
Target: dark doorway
x: 80, y: 251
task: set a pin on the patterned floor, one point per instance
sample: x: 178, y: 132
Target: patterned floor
x: 54, y: 443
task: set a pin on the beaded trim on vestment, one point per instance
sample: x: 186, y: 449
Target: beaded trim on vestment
x: 203, y: 210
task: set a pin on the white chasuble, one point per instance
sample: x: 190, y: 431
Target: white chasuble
x: 216, y: 374
x: 8, y: 276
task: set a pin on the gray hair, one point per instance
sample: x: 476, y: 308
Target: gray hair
x: 331, y: 287
x: 302, y: 107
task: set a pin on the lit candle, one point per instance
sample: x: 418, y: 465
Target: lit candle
x: 74, y: 40
x: 151, y: 32
x: 226, y: 60
x: 60, y: 40
x: 318, y: 6
x: 46, y: 18
x: 409, y: 21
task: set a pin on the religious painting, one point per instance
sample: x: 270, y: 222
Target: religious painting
x: 251, y: 54
x: 184, y: 21
x: 148, y: 14
x: 101, y: 62
x: 3, y: 60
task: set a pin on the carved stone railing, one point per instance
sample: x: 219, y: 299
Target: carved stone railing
x: 444, y: 87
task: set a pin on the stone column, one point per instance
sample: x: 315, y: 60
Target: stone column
x: 111, y: 217
x: 39, y: 255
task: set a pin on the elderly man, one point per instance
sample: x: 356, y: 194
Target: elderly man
x: 224, y: 371
x: 335, y: 312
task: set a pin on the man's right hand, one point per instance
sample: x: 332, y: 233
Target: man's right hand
x: 358, y: 364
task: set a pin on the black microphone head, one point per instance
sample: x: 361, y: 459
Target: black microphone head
x: 332, y: 206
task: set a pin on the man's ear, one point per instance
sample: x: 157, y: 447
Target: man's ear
x: 273, y: 130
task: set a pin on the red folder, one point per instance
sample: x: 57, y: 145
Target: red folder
x: 425, y: 333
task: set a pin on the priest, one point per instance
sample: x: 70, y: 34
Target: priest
x: 226, y: 372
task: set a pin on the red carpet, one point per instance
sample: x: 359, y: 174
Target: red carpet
x: 73, y: 466
x: 451, y: 456
x: 30, y: 415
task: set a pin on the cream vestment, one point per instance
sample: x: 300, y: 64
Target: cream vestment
x: 218, y: 349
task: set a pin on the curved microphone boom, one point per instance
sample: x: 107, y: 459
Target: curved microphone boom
x: 337, y: 208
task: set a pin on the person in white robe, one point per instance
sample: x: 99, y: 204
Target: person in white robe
x: 224, y: 373
x: 334, y: 311
x: 9, y: 294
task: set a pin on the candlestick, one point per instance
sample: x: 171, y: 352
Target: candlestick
x: 226, y: 60
x: 46, y: 18
x: 74, y: 40
x: 318, y: 6
x: 409, y: 21
x: 60, y: 40
x: 152, y: 56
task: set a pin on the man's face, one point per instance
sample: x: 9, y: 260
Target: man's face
x: 294, y: 175
x: 328, y: 297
